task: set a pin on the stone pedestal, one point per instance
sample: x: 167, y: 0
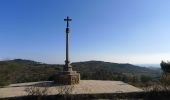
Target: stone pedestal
x: 67, y: 78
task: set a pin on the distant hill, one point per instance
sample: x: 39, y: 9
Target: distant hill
x: 127, y: 69
x: 150, y: 65
x: 19, y: 70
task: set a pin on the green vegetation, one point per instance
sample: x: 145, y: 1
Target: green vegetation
x: 165, y: 66
x: 160, y: 90
x: 135, y: 75
x: 126, y: 69
x: 18, y: 71
x: 155, y: 84
x: 165, y: 77
x: 145, y: 78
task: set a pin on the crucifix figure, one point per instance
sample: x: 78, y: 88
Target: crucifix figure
x: 67, y: 66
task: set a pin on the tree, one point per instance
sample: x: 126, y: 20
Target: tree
x: 165, y: 78
x: 165, y: 66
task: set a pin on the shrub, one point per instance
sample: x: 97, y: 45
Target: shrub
x: 4, y: 81
x: 37, y: 90
x: 165, y: 79
x: 145, y: 79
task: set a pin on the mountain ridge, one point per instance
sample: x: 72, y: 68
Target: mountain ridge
x: 19, y: 70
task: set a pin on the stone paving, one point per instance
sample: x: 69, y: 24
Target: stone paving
x: 85, y: 87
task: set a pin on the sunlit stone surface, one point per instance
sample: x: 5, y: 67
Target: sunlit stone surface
x: 84, y: 87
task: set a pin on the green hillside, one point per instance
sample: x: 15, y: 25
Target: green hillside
x: 19, y: 70
x: 112, y: 71
x: 92, y: 66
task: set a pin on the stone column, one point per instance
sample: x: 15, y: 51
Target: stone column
x: 67, y: 67
x: 67, y: 76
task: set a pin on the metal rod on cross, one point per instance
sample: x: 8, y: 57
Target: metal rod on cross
x: 67, y: 66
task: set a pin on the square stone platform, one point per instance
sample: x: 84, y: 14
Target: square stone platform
x: 84, y: 87
x: 67, y: 78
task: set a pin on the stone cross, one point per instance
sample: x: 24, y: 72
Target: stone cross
x: 67, y: 66
x: 67, y: 76
x: 68, y: 19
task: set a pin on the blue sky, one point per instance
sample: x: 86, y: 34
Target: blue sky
x: 122, y: 31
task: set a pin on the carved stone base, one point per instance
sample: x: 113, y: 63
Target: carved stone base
x: 67, y: 78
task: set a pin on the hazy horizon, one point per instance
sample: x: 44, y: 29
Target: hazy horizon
x: 141, y: 65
